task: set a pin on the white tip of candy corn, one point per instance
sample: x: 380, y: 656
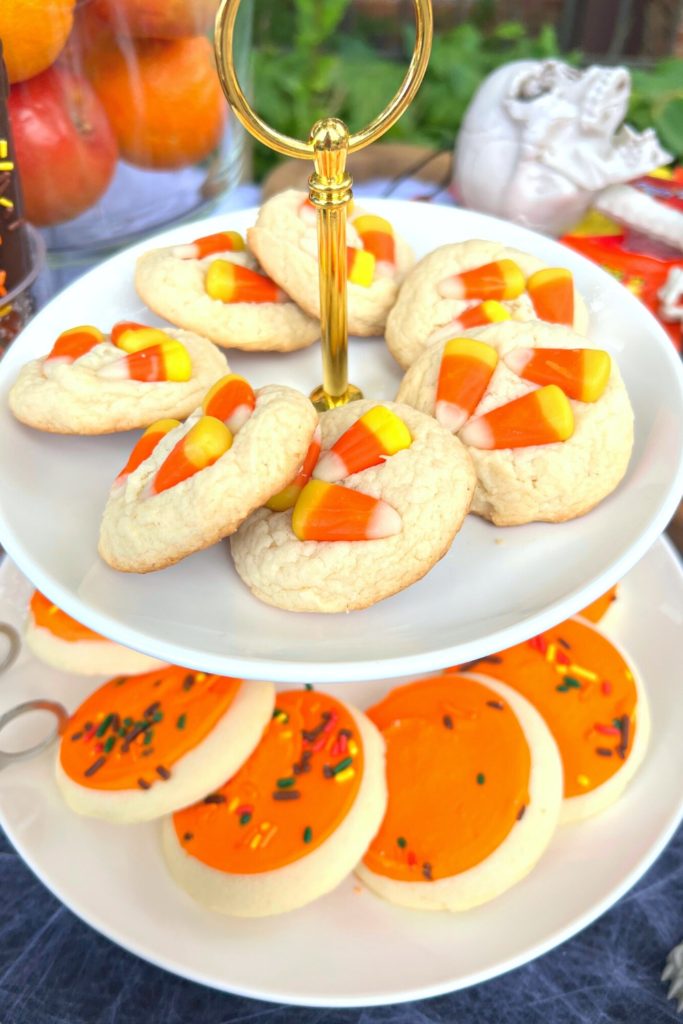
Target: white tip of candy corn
x: 384, y: 522
x: 477, y: 434
x: 238, y: 418
x: 330, y: 468
x: 184, y: 252
x: 450, y: 415
x: 518, y: 359
x: 451, y: 288
x: 383, y: 268
x: 116, y: 370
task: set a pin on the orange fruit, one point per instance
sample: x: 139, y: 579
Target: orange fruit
x: 163, y: 99
x: 158, y: 19
x: 33, y: 33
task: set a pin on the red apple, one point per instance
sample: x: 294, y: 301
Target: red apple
x: 66, y: 149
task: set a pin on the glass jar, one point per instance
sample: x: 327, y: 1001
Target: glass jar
x: 126, y: 129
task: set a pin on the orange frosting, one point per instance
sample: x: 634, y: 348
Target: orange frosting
x: 585, y: 691
x: 292, y: 793
x: 595, y: 611
x: 458, y: 772
x: 47, y: 615
x: 130, y: 732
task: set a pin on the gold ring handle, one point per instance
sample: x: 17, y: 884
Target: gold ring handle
x: 223, y: 46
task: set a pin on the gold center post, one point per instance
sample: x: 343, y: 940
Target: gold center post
x: 329, y: 186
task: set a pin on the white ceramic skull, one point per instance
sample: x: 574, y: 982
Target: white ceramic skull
x: 540, y: 139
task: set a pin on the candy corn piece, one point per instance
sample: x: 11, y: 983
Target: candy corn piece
x: 377, y: 236
x: 378, y: 434
x: 552, y: 293
x: 222, y: 241
x: 582, y: 373
x: 74, y: 343
x: 487, y: 312
x: 287, y: 497
x: 230, y: 282
x: 466, y: 369
x: 169, y: 361
x: 231, y: 400
x: 308, y: 212
x: 203, y: 445
x: 499, y: 280
x: 541, y: 417
x: 360, y: 266
x: 327, y: 512
x: 132, y: 337
x: 145, y: 446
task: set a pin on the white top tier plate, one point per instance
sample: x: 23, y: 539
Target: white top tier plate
x: 495, y: 587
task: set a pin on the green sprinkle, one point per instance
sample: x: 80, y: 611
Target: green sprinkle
x: 109, y: 744
x: 158, y: 716
x: 128, y: 722
x: 180, y: 724
x: 285, y: 783
x: 308, y: 834
x: 148, y: 737
x: 617, y: 722
x: 572, y: 683
x: 308, y: 686
x: 245, y: 818
x: 402, y: 842
x: 122, y: 732
x: 104, y: 726
x: 346, y: 763
x: 276, y: 712
x: 562, y: 689
x: 481, y: 779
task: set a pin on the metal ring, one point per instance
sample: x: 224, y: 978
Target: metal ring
x: 223, y: 48
x: 58, y: 710
x: 14, y: 645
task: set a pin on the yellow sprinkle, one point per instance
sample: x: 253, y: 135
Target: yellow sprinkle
x: 7, y: 203
x: 550, y: 653
x: 234, y: 804
x: 287, y: 735
x: 200, y: 677
x: 265, y: 825
x: 3, y: 149
x: 6, y: 165
x: 583, y: 780
x: 53, y: 609
x: 583, y: 673
x: 352, y: 748
x: 344, y: 776
x: 269, y: 837
x: 562, y: 670
x: 281, y: 716
x: 256, y: 840
x: 629, y: 675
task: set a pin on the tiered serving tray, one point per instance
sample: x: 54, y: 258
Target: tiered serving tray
x: 495, y: 587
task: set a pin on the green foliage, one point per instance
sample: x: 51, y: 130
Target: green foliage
x: 306, y: 66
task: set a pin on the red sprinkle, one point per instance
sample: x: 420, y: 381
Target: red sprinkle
x: 606, y: 687
x: 562, y: 659
x: 539, y: 643
x: 343, y: 743
x: 606, y: 730
x: 412, y: 859
x: 245, y: 809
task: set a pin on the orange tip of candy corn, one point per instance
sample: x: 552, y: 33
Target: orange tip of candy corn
x: 232, y: 400
x: 552, y: 294
x: 328, y: 512
x: 467, y: 366
x: 203, y: 445
x: 542, y: 417
x: 377, y: 435
x: 287, y: 497
x: 582, y: 373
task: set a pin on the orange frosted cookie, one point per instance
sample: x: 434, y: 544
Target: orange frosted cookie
x: 60, y: 641
x: 475, y: 786
x: 593, y: 703
x: 143, y: 746
x: 595, y: 611
x: 294, y: 820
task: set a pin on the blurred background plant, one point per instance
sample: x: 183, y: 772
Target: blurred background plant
x: 347, y: 57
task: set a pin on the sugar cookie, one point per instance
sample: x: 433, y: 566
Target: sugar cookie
x: 370, y: 544
x: 88, y: 385
x: 475, y: 786
x: 202, y: 480
x: 284, y: 240
x: 252, y: 316
x: 461, y: 285
x: 593, y: 702
x: 577, y: 459
x: 294, y: 820
x: 143, y: 746
x: 62, y: 642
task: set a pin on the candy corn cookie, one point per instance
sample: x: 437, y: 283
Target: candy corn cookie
x: 143, y: 746
x: 475, y: 283
x: 593, y: 703
x: 62, y: 642
x: 546, y: 419
x: 285, y: 242
x: 475, y: 787
x: 187, y: 485
x: 295, y: 819
x: 90, y: 383
x: 214, y: 286
x: 386, y: 498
